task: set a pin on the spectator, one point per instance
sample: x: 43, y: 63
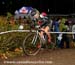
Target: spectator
x: 65, y: 38
x: 73, y: 30
x: 56, y: 29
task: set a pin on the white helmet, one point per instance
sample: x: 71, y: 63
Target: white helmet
x: 43, y: 14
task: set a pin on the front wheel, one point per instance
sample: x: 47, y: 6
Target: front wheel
x: 31, y: 44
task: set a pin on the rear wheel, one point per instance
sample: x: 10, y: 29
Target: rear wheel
x: 31, y: 44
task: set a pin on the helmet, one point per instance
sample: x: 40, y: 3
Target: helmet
x: 43, y: 14
x: 33, y: 12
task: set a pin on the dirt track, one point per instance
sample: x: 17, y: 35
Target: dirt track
x: 46, y: 57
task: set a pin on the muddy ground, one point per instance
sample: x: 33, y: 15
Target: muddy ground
x: 44, y: 57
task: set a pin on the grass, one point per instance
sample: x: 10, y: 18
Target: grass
x: 4, y: 50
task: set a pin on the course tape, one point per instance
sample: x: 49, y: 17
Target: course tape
x: 33, y: 31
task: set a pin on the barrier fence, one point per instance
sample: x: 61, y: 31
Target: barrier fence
x: 33, y: 31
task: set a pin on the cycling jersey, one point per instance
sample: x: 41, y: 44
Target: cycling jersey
x: 44, y: 21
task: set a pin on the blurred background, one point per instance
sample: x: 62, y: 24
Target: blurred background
x: 50, y: 6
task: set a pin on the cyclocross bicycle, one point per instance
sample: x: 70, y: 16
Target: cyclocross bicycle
x: 33, y: 42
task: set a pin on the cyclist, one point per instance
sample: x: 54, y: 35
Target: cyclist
x: 44, y: 25
x: 36, y: 17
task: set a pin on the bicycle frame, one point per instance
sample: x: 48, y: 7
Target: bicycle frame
x: 35, y: 37
x: 42, y: 39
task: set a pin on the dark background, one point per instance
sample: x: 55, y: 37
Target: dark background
x: 54, y: 6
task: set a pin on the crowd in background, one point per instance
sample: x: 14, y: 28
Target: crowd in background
x: 63, y: 24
